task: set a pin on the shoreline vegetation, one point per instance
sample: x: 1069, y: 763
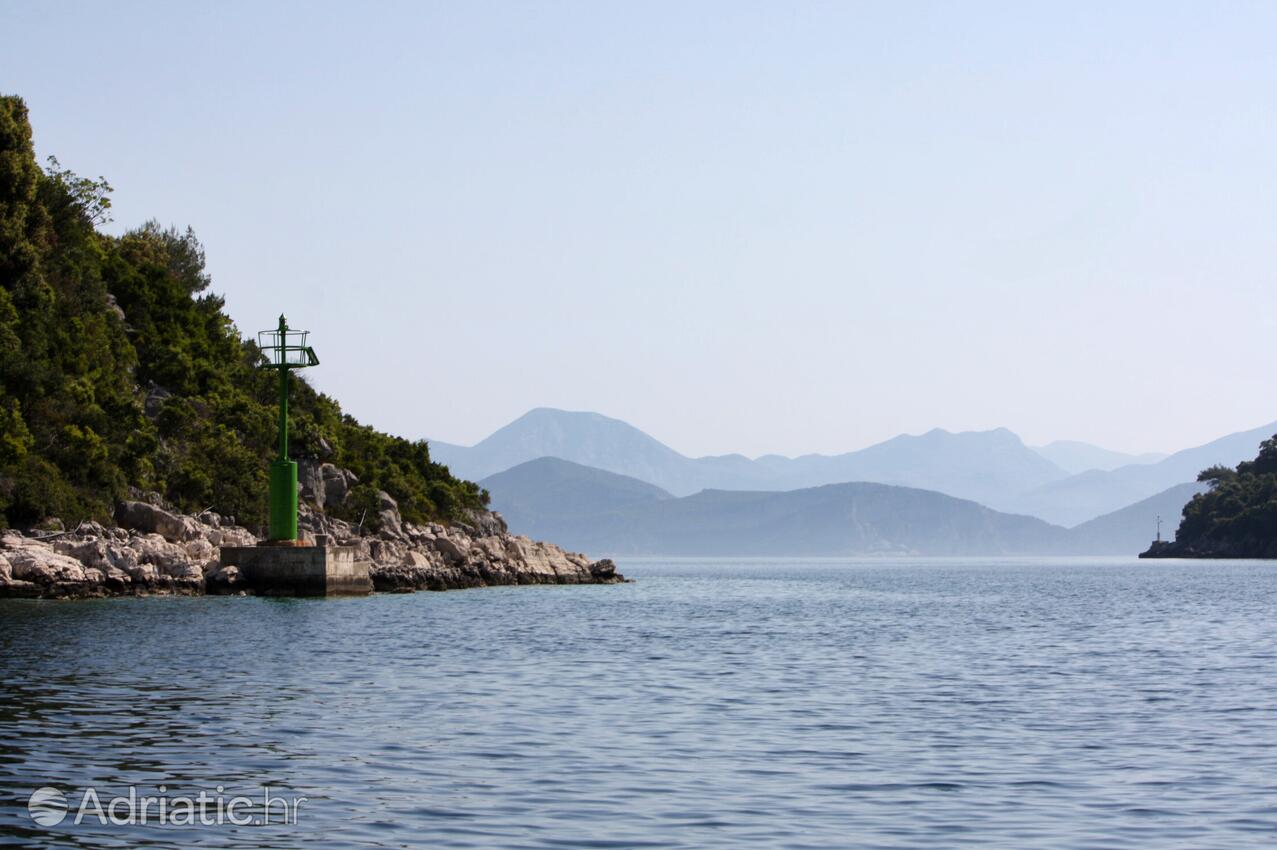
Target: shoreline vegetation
x: 1236, y: 517
x: 132, y: 408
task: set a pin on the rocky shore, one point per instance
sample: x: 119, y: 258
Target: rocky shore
x: 1207, y: 548
x: 154, y: 550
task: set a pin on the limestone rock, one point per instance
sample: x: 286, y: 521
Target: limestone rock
x: 90, y: 552
x: 388, y: 513
x: 486, y: 523
x: 452, y: 550
x: 151, y: 519
x: 417, y: 558
x: 144, y: 574
x: 44, y: 566
x: 200, y: 550
x: 604, y: 570
x: 225, y: 580
x: 337, y: 484
x: 154, y: 549
x: 14, y: 540
x: 19, y: 589
x: 236, y: 536
x: 310, y: 481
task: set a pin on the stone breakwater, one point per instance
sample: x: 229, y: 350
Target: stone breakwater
x: 152, y: 550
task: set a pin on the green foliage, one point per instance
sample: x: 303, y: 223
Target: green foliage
x: 91, y: 326
x: 92, y: 198
x: 1217, y: 474
x: 1240, y: 504
x: 34, y: 488
x: 361, y: 507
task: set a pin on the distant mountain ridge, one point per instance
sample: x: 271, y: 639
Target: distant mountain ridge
x: 994, y: 468
x: 978, y: 465
x: 592, y: 439
x: 1096, y: 492
x: 1074, y: 456
x: 599, y: 511
x: 835, y: 519
x: 541, y: 492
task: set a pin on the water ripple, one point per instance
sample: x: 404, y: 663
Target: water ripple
x: 714, y: 704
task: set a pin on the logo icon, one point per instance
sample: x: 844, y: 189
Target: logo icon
x: 47, y: 806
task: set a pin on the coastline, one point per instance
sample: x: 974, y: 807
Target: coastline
x: 155, y: 551
x: 1216, y: 550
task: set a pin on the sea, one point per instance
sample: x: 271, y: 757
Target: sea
x: 712, y: 703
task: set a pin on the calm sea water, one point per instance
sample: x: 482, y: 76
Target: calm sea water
x: 713, y: 704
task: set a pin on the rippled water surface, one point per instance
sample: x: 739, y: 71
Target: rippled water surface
x: 712, y: 704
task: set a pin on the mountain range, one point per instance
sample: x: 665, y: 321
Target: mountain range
x: 592, y: 510
x: 624, y: 489
x: 834, y: 519
x: 985, y: 466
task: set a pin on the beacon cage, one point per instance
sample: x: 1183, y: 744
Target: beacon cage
x: 286, y: 347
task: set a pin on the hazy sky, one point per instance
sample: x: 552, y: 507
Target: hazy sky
x: 781, y: 227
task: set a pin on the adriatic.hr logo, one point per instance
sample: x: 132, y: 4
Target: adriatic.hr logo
x: 50, y: 807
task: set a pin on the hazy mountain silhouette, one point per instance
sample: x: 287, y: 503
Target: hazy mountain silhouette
x: 603, y: 512
x: 1130, y: 529
x: 1073, y: 456
x: 593, y: 440
x: 837, y: 519
x: 1080, y: 497
x: 542, y: 492
x: 977, y: 465
x: 981, y: 465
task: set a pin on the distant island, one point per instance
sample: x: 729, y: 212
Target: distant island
x: 1235, y: 517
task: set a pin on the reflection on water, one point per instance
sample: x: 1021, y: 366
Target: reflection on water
x: 1017, y: 704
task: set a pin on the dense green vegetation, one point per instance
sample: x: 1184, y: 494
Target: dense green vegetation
x: 119, y: 369
x: 1240, y: 506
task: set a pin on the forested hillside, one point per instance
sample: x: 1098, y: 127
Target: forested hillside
x: 119, y: 369
x: 1237, y: 516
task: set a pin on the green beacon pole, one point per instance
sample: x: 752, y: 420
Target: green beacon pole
x: 285, y: 349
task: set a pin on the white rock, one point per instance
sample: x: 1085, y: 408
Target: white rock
x: 200, y: 550
x: 454, y: 549
x: 34, y: 563
x: 237, y: 536
x: 144, y: 573
x: 154, y: 549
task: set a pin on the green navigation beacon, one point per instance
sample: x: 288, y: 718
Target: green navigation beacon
x: 284, y: 349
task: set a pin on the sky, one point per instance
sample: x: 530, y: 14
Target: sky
x: 742, y: 227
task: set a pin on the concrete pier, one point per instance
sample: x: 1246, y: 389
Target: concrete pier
x: 299, y: 570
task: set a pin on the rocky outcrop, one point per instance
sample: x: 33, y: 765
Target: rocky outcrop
x: 477, y: 551
x: 152, y: 519
x: 323, y: 484
x: 159, y: 551
x: 1239, y: 547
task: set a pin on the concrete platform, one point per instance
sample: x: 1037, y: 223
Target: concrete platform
x: 300, y: 570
